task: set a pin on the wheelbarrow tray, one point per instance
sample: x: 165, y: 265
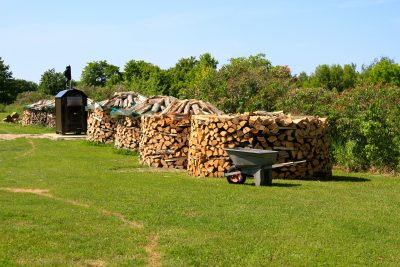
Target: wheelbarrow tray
x: 251, y: 158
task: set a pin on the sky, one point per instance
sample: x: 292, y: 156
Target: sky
x: 39, y: 35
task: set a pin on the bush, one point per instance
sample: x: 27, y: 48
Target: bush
x: 364, y: 128
x: 101, y: 93
x: 30, y: 97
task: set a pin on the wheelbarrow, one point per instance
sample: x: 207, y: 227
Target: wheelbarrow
x: 253, y: 162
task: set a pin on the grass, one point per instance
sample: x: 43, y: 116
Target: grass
x: 349, y: 221
x: 16, y: 128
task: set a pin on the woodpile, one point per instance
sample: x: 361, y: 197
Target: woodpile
x: 191, y: 107
x: 128, y: 130
x: 164, y: 141
x: 124, y: 100
x: 103, y: 119
x: 128, y: 133
x: 40, y: 113
x: 296, y: 139
x: 154, y: 105
x: 101, y: 127
x: 165, y: 137
x: 12, y: 118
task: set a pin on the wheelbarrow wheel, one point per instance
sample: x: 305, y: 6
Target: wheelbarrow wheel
x: 236, y: 178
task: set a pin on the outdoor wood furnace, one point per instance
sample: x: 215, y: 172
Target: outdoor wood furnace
x: 71, y: 116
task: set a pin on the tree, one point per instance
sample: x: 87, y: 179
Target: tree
x: 5, y: 82
x: 181, y: 75
x: 334, y: 77
x: 20, y: 86
x: 52, y: 82
x: 203, y: 70
x: 139, y: 70
x: 100, y: 73
x: 244, y: 84
x: 384, y: 71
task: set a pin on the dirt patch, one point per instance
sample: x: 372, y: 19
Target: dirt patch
x: 29, y: 152
x: 26, y: 190
x: 122, y: 218
x: 52, y: 136
x: 153, y: 254
x: 148, y: 170
x: 45, y: 193
x: 95, y: 263
x: 151, y: 247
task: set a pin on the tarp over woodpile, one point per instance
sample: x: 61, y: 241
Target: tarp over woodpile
x: 128, y: 129
x: 103, y: 116
x: 41, y: 112
x: 42, y: 105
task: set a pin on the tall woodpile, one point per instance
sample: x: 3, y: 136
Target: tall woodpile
x: 165, y: 137
x: 296, y: 138
x: 101, y: 127
x: 128, y: 133
x: 102, y: 123
x: 40, y: 113
x: 128, y: 129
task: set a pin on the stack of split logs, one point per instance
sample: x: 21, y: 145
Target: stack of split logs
x: 40, y: 113
x: 165, y: 137
x: 12, y: 118
x: 102, y: 127
x: 128, y: 131
x: 154, y: 105
x: 296, y: 139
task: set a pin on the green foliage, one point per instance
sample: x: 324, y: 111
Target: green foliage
x: 245, y: 84
x: 30, y: 97
x: 383, y: 71
x: 363, y: 122
x: 145, y: 78
x: 181, y: 75
x: 52, y: 82
x: 5, y: 83
x: 308, y: 101
x: 102, y: 93
x: 334, y: 77
x: 368, y: 116
x: 100, y: 73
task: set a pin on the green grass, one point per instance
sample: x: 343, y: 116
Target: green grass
x: 16, y: 128
x: 352, y: 220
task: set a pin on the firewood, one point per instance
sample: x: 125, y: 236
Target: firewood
x: 304, y: 138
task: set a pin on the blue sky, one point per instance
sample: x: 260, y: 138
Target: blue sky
x: 39, y: 35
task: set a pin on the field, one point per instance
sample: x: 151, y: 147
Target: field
x: 70, y: 203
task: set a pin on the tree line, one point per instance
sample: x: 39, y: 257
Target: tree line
x: 362, y: 106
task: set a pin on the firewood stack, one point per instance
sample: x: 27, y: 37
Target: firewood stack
x: 101, y: 127
x: 12, y: 118
x: 102, y: 119
x: 128, y: 130
x: 296, y: 138
x: 165, y: 137
x: 40, y: 113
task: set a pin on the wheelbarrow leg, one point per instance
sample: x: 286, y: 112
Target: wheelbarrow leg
x: 263, y: 177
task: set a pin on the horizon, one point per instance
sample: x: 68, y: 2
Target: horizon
x: 38, y: 36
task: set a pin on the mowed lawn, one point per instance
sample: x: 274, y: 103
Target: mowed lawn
x: 99, y: 207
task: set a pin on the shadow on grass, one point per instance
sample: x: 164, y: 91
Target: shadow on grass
x: 346, y: 179
x: 274, y: 184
